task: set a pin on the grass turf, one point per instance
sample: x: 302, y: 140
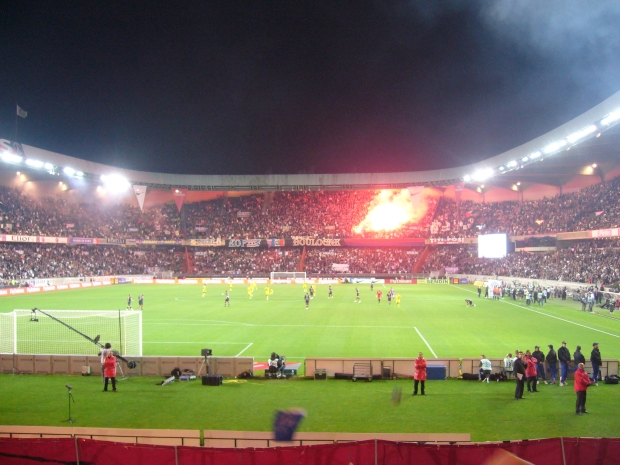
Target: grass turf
x: 432, y: 319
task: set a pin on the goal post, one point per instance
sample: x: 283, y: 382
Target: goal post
x: 70, y: 332
x: 296, y: 275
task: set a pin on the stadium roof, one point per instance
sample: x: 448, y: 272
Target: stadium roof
x: 588, y: 145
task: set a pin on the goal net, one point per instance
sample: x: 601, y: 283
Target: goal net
x: 296, y: 275
x: 70, y: 332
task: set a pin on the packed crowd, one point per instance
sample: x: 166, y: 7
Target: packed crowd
x: 229, y: 262
x: 594, y: 207
x: 361, y: 260
x: 581, y: 261
x: 24, y: 262
x: 276, y: 215
x: 305, y: 213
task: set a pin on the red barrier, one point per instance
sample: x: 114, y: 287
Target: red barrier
x: 37, y: 451
x: 554, y: 451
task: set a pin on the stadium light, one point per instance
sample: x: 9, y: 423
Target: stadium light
x: 574, y: 137
x: 554, y: 147
x: 115, y: 182
x: 34, y: 163
x: 501, y: 168
x: 79, y: 174
x: 534, y: 155
x: 482, y: 175
x: 467, y: 178
x: 524, y: 159
x: 68, y: 171
x: 611, y: 118
x: 9, y: 157
x: 511, y: 164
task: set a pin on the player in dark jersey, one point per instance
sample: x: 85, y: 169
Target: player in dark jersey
x: 307, y: 299
x: 129, y: 300
x: 389, y: 296
x: 311, y: 292
x: 141, y: 301
x: 227, y: 300
x: 330, y: 295
x: 357, y: 295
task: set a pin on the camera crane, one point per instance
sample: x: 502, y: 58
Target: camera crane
x: 130, y: 363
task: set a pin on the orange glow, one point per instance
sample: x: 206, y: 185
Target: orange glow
x: 390, y: 210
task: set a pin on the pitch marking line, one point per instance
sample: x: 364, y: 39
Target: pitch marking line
x: 544, y: 314
x: 425, y: 342
x: 234, y: 323
x: 246, y: 348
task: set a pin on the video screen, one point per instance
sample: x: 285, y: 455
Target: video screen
x: 492, y: 246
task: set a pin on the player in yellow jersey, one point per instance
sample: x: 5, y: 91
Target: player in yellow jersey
x: 313, y: 289
x: 305, y: 287
x: 268, y: 292
x: 250, y: 292
x: 397, y: 299
x: 204, y: 290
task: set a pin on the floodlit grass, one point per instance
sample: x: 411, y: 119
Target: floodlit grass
x: 178, y: 321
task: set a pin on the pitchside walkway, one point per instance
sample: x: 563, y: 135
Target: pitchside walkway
x: 214, y: 438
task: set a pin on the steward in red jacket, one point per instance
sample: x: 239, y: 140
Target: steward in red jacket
x: 582, y: 381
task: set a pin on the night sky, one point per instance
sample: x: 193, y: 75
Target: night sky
x: 230, y: 87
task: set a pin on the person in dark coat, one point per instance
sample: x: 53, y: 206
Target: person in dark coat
x: 519, y: 371
x: 552, y: 363
x: 581, y: 385
x: 597, y: 361
x: 564, y: 357
x: 578, y: 356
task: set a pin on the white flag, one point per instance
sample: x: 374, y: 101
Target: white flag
x: 21, y: 113
x: 140, y: 192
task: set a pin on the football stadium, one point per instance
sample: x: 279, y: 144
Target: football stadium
x: 231, y: 301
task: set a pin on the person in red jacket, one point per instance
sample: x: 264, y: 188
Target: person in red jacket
x: 530, y: 371
x: 420, y: 374
x: 582, y: 381
x: 109, y: 371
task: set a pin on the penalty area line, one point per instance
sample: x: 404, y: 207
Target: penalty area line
x: 246, y: 348
x: 425, y: 342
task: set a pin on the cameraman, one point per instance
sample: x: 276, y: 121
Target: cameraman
x: 278, y: 363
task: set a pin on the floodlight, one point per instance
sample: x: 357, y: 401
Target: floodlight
x: 554, y: 147
x: 115, y: 182
x: 79, y: 174
x: 611, y: 118
x: 467, y: 178
x: 574, y: 137
x: 68, y: 171
x: 534, y: 155
x: 9, y: 157
x: 501, y: 168
x: 511, y: 164
x: 482, y: 175
x: 524, y: 159
x: 34, y: 163
x: 49, y: 167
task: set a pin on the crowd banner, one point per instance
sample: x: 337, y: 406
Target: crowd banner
x: 179, y: 197
x: 340, y: 267
x: 140, y: 192
x: 613, y: 232
x: 33, y: 239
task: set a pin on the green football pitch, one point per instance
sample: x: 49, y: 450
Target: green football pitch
x: 432, y: 318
